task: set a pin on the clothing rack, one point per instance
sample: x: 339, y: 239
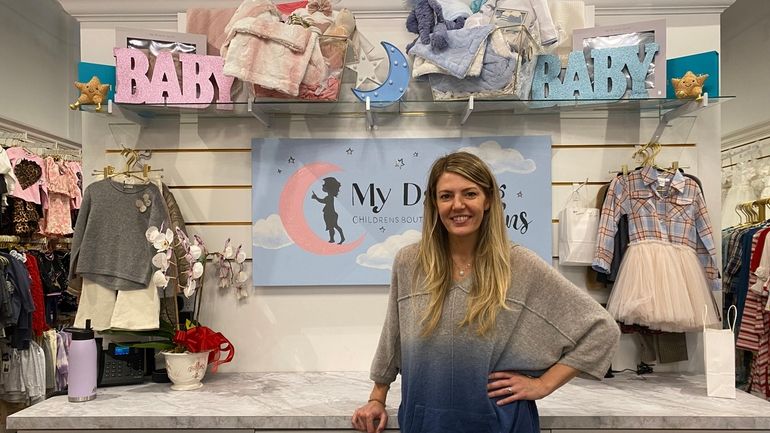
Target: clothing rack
x: 13, y: 242
x: 30, y: 135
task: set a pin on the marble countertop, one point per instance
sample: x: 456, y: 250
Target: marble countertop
x: 326, y: 400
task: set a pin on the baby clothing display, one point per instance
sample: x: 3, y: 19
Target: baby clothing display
x: 41, y: 194
x: 669, y: 270
x: 300, y: 55
x: 107, y: 206
x: 112, y: 269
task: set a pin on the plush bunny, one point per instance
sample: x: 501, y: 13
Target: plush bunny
x: 427, y: 20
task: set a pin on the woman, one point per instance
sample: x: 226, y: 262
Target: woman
x: 478, y: 328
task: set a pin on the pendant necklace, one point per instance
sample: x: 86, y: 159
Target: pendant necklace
x: 463, y: 270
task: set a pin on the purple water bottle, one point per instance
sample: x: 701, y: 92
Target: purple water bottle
x: 82, y: 364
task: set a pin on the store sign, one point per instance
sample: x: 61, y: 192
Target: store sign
x: 201, y: 79
x: 611, y: 69
x: 333, y: 212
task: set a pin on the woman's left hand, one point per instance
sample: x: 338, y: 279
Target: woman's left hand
x: 510, y: 387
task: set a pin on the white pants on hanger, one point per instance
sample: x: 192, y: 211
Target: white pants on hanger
x: 136, y: 310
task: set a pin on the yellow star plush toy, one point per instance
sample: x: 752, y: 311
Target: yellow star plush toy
x: 689, y: 86
x: 91, y: 93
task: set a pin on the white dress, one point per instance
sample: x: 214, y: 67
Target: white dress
x: 740, y: 192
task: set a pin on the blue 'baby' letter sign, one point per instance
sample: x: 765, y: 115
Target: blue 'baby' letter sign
x: 609, y: 82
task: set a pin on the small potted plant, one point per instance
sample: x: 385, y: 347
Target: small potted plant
x: 194, y: 349
x: 187, y: 349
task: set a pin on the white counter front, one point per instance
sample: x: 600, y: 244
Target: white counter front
x: 326, y: 400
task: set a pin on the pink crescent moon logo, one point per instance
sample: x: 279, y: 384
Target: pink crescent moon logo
x: 291, y: 209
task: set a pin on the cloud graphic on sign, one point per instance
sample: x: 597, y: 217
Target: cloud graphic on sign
x: 269, y: 233
x: 502, y: 160
x: 380, y: 256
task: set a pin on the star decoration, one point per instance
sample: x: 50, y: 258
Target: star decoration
x: 382, y: 229
x: 365, y: 68
x: 349, y: 151
x: 520, y: 194
x: 280, y: 171
x: 92, y: 92
x: 415, y: 154
x: 291, y: 160
x: 401, y: 162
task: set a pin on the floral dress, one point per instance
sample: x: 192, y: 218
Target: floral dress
x: 62, y: 187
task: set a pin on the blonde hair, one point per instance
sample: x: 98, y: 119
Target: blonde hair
x: 492, y: 262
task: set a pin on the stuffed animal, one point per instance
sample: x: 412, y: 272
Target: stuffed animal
x: 455, y: 13
x: 689, y: 86
x: 91, y: 93
x: 427, y: 20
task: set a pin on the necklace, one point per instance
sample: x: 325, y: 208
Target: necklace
x: 462, y: 270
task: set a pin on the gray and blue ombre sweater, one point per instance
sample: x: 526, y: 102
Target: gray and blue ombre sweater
x: 444, y: 376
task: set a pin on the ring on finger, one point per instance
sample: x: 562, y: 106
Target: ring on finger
x: 509, y: 389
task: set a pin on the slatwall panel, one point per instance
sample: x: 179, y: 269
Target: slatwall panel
x: 207, y: 164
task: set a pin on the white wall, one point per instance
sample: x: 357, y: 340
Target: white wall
x: 40, y: 50
x: 745, y: 66
x: 336, y: 328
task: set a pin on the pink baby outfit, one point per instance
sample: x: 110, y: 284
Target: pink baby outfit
x: 77, y: 170
x: 28, y: 189
x: 62, y: 188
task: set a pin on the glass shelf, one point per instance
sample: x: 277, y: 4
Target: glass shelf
x: 418, y: 100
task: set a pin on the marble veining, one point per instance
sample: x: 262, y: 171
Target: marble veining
x: 326, y: 400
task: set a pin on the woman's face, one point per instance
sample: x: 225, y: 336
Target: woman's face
x: 461, y: 205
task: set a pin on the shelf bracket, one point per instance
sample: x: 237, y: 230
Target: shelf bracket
x: 468, y: 110
x: 370, y: 117
x: 132, y: 116
x: 680, y: 111
x: 258, y: 114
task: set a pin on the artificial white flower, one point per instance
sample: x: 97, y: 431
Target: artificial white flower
x: 197, y: 270
x: 242, y: 277
x: 195, y: 251
x: 228, y: 253
x: 151, y: 233
x: 190, y: 289
x: 240, y: 257
x: 162, y: 242
x: 160, y: 261
x: 160, y: 279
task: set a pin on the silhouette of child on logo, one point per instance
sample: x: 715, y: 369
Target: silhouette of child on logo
x: 331, y: 187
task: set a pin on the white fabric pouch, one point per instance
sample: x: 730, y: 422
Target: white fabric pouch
x: 578, y: 230
x: 719, y: 357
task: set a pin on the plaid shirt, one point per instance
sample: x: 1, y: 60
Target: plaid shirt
x: 678, y: 215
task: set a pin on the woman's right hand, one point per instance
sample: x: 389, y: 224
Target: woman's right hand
x: 365, y: 416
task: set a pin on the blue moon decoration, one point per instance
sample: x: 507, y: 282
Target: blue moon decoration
x: 395, y: 84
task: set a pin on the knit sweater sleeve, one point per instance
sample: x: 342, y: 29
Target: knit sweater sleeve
x: 77, y: 241
x: 590, y: 334
x: 387, y: 359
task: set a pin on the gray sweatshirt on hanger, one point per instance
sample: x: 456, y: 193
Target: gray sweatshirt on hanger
x: 109, y: 245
